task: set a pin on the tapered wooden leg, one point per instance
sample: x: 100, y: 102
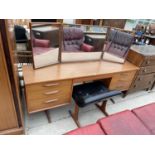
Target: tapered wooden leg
x: 75, y: 115
x: 48, y: 116
x: 112, y: 100
x: 103, y: 107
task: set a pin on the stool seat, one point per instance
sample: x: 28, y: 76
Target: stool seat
x: 93, y: 92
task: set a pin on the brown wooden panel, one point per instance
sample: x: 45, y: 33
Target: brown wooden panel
x: 74, y: 71
x: 148, y: 61
x: 45, y: 86
x: 63, y: 90
x: 47, y: 103
x: 135, y: 58
x: 84, y: 21
x: 147, y: 70
x: 8, y: 117
x: 143, y: 81
x: 122, y: 81
x: 119, y: 23
x: 56, y: 94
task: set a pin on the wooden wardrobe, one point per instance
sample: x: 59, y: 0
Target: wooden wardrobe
x: 11, y: 121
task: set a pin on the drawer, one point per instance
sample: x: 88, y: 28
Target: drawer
x: 146, y: 70
x: 57, y: 93
x: 48, y: 86
x: 148, y: 61
x: 135, y: 88
x: 47, y: 103
x: 143, y: 81
x: 122, y: 81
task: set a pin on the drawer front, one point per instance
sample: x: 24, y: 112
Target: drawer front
x: 122, y: 81
x: 48, y: 86
x: 53, y: 93
x: 56, y: 91
x: 147, y: 70
x: 143, y: 81
x: 47, y: 103
x: 148, y: 61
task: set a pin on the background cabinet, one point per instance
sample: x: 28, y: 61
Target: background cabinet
x: 143, y: 57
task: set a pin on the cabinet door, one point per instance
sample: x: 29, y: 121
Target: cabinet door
x: 8, y: 117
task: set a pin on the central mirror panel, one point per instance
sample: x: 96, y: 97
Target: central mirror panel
x: 82, y: 42
x: 45, y: 40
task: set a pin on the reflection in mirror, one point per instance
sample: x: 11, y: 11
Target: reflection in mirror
x: 79, y: 45
x: 19, y: 35
x: 117, y: 45
x: 45, y: 40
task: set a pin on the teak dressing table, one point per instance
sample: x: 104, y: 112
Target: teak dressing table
x: 51, y: 87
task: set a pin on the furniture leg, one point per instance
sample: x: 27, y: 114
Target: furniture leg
x: 103, y: 107
x: 75, y: 115
x: 48, y: 116
x: 112, y: 100
x: 124, y: 94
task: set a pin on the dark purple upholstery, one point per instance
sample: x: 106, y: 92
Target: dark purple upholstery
x: 73, y: 40
x: 123, y: 123
x: 118, y: 43
x: 93, y: 129
x: 147, y: 115
x: 41, y: 43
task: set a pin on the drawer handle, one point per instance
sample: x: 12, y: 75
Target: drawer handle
x: 144, y: 70
x: 51, y: 101
x: 150, y: 82
x: 148, y: 62
x: 139, y: 79
x: 52, y: 92
x: 52, y: 84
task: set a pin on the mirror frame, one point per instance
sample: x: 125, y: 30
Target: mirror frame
x: 56, y: 24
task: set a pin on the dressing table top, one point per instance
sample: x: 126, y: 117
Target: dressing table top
x: 74, y: 70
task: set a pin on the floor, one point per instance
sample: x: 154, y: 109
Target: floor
x: 37, y: 124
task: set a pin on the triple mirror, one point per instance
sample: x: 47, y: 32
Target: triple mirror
x: 54, y: 43
x: 46, y: 42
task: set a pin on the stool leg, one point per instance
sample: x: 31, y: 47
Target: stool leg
x: 48, y: 116
x: 111, y: 99
x: 75, y: 115
x: 103, y: 107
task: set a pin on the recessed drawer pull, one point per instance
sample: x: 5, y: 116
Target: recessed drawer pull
x: 50, y: 101
x: 139, y: 79
x: 144, y: 70
x: 150, y: 82
x: 52, y: 92
x: 148, y: 62
x: 51, y: 84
